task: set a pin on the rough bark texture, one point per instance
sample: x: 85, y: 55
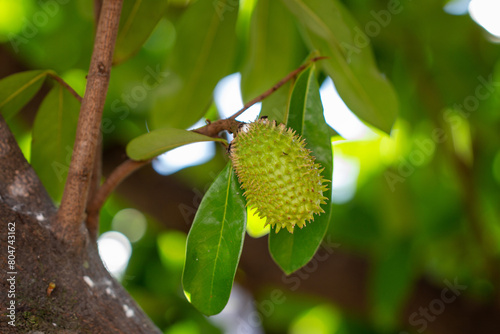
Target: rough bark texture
x: 85, y: 299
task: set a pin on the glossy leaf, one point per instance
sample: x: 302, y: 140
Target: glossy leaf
x: 276, y: 105
x: 54, y: 132
x: 203, y: 54
x: 292, y: 251
x: 154, y: 143
x: 214, y: 244
x: 330, y: 28
x: 275, y: 48
x: 138, y: 20
x: 16, y: 90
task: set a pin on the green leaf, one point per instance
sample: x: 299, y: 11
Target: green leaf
x: 54, y: 132
x: 138, y: 20
x: 16, y: 90
x: 275, y: 106
x: 200, y: 58
x: 154, y: 143
x: 292, y: 251
x: 214, y: 244
x: 275, y: 48
x: 331, y: 29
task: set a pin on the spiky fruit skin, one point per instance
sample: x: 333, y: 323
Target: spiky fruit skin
x: 279, y: 175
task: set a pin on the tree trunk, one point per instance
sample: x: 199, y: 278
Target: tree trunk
x: 46, y: 285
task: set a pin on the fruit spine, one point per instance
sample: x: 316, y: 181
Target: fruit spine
x: 278, y: 174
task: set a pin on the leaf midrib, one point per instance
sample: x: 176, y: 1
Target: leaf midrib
x: 23, y: 87
x: 130, y: 19
x: 347, y: 70
x: 220, y: 236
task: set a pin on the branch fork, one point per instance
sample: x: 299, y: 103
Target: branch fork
x: 83, y: 198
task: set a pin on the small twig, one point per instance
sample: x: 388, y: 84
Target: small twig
x: 276, y: 87
x: 70, y: 216
x: 115, y: 178
x: 214, y: 128
x: 65, y: 85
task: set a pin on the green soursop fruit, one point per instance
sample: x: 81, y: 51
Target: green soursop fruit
x: 278, y: 174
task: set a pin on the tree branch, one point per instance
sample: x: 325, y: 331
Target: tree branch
x: 95, y: 185
x: 115, y: 178
x: 212, y: 129
x: 97, y: 11
x: 276, y: 87
x: 229, y: 124
x: 65, y: 85
x: 70, y: 216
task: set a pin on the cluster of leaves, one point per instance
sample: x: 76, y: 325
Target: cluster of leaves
x: 409, y: 218
x: 216, y: 238
x: 54, y: 127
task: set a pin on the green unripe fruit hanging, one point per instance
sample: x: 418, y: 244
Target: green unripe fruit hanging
x: 279, y: 175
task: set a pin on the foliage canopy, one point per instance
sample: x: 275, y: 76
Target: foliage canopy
x: 416, y: 195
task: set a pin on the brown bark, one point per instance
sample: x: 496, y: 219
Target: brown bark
x: 70, y: 215
x: 92, y: 221
x: 86, y: 299
x: 52, y: 278
x: 112, y: 181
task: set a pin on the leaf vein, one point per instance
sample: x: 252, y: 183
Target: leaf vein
x: 25, y: 86
x: 221, y: 232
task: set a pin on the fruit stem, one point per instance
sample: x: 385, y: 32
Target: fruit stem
x: 276, y: 86
x: 212, y: 129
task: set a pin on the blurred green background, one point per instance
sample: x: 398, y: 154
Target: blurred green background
x: 415, y: 212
